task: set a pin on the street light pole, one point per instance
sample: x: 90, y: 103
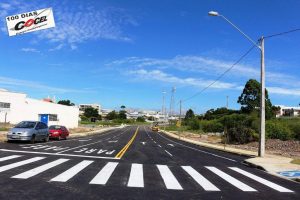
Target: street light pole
x: 261, y: 149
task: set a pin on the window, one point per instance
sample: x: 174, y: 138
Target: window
x: 53, y: 118
x: 4, y: 105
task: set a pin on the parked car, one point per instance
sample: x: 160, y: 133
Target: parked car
x: 29, y: 131
x: 58, y: 132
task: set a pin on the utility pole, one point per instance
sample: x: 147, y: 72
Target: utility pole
x: 163, y: 110
x: 172, y: 101
x: 227, y: 102
x: 180, y: 107
x: 261, y: 151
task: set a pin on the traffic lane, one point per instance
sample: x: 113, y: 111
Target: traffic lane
x: 57, y: 146
x: 145, y: 150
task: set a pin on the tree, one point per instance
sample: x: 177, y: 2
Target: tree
x: 91, y: 112
x: 66, y: 103
x: 112, y: 115
x: 250, y: 99
x: 189, y: 115
x: 122, y: 114
x: 123, y: 107
x: 140, y: 119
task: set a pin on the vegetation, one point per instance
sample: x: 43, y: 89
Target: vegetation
x: 66, y: 103
x: 242, y: 126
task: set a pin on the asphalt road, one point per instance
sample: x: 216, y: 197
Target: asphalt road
x: 132, y: 163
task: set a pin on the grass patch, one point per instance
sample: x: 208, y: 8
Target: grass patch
x: 296, y: 161
x: 4, y: 129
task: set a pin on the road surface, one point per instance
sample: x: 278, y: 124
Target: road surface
x: 132, y: 163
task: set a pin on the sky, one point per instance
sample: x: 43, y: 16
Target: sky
x: 118, y: 52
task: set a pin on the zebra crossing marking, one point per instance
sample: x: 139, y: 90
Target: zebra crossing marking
x: 168, y: 178
x: 136, y: 178
x: 233, y: 181
x: 40, y: 169
x: 9, y: 157
x: 65, y: 176
x: 102, y: 177
x: 20, y: 163
x: 201, y: 180
x: 261, y: 180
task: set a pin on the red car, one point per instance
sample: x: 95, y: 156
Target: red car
x: 58, y: 132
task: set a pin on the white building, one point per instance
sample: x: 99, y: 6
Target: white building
x: 82, y: 107
x: 16, y: 107
x: 288, y: 111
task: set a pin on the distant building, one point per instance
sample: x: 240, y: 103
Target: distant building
x: 104, y: 112
x: 82, y: 107
x: 16, y: 107
x: 288, y: 111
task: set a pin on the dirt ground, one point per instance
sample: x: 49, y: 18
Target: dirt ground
x: 289, y: 148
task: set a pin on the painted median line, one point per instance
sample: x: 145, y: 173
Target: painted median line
x: 125, y: 148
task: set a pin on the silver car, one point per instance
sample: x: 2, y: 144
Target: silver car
x: 29, y: 131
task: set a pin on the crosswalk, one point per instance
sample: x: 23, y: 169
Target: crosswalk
x: 136, y: 176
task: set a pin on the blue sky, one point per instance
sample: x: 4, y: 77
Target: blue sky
x: 127, y: 52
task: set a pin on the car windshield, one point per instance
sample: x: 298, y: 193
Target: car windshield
x: 55, y: 127
x: 25, y: 125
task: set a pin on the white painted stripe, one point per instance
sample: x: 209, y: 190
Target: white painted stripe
x: 201, y: 180
x: 65, y: 176
x: 61, y: 154
x: 136, y: 178
x: 261, y: 180
x: 18, y: 164
x: 169, y: 179
x: 9, y: 157
x: 40, y: 169
x: 231, y: 180
x: 103, y: 176
x: 159, y: 145
x: 169, y: 153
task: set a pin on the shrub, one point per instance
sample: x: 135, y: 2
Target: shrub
x: 193, y: 124
x: 277, y: 130
x: 241, y: 135
x: 212, y: 126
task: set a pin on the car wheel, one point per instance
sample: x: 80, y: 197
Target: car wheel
x: 47, y: 139
x: 32, y: 139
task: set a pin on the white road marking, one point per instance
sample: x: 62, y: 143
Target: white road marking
x: 201, y: 180
x: 62, y: 154
x: 113, y: 141
x: 18, y: 164
x: 261, y: 180
x: 40, y: 169
x: 172, y: 145
x: 136, y: 178
x: 102, y: 177
x: 9, y: 157
x: 168, y: 178
x: 169, y: 153
x: 198, y: 149
x: 231, y: 180
x: 65, y: 176
x: 84, y: 140
x: 159, y: 145
x: 143, y: 143
x: 154, y: 142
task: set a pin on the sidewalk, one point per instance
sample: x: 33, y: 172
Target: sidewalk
x: 273, y: 164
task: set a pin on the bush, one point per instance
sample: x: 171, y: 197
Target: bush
x: 212, y: 126
x: 140, y: 119
x: 277, y: 130
x: 241, y: 135
x: 193, y: 124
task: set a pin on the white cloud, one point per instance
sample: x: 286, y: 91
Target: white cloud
x: 33, y: 50
x: 36, y: 85
x: 284, y: 91
x: 158, y: 75
x: 5, y: 6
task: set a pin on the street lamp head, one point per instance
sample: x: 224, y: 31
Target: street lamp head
x: 213, y: 13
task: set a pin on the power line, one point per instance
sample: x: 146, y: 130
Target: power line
x: 282, y: 33
x: 220, y: 76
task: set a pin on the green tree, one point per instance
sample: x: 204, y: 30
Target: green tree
x: 250, y: 99
x: 112, y: 115
x: 123, y: 107
x: 122, y: 114
x: 66, y: 103
x: 189, y: 115
x: 91, y: 112
x: 140, y: 119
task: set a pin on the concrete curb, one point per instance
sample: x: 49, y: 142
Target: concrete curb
x: 82, y: 134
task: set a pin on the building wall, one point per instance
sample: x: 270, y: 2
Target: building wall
x: 23, y: 108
